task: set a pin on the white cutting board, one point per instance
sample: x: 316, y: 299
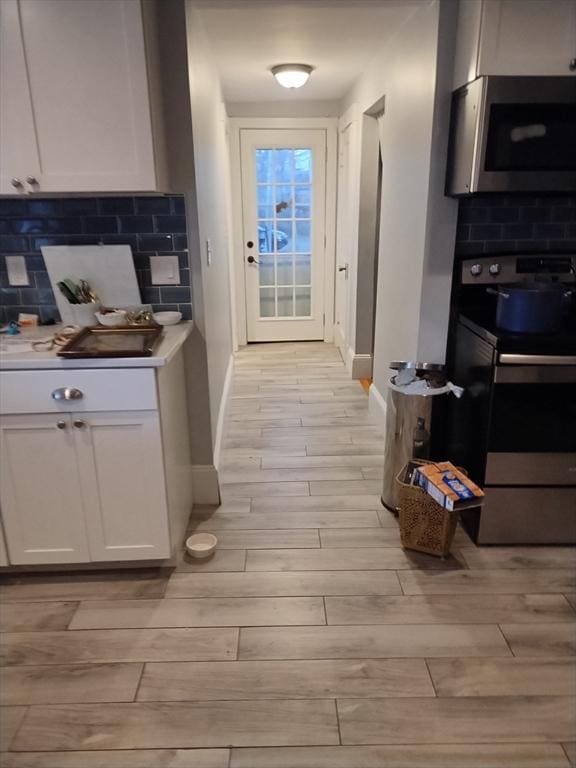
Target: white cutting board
x: 109, y: 269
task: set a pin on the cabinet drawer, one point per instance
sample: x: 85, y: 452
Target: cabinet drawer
x: 101, y: 390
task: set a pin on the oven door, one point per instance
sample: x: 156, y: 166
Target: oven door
x: 527, y: 136
x: 532, y: 437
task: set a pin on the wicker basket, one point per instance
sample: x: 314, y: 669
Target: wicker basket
x: 425, y: 526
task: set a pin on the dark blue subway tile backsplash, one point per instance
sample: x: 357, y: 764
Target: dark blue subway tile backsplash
x: 149, y: 225
x: 514, y: 223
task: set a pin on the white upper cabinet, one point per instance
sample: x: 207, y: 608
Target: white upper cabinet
x: 74, y: 98
x: 19, y: 156
x: 515, y: 37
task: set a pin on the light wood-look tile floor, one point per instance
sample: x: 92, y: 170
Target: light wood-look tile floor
x: 310, y: 639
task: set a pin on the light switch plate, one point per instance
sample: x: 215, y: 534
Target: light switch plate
x: 164, y: 270
x: 17, y: 271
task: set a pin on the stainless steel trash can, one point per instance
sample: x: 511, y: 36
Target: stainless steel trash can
x: 408, y: 428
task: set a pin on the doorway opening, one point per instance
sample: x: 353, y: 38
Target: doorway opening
x: 285, y: 219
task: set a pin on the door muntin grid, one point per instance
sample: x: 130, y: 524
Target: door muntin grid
x: 284, y: 204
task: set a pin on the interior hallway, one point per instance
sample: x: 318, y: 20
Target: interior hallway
x: 310, y: 639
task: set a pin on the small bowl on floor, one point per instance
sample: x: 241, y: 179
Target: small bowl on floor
x: 201, y: 545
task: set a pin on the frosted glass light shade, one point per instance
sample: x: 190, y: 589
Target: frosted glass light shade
x: 292, y: 75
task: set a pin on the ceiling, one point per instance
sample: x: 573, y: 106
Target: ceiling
x: 338, y: 38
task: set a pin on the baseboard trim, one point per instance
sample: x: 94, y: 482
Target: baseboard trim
x: 376, y: 404
x: 223, y: 410
x: 339, y: 339
x: 206, y: 487
x: 359, y: 366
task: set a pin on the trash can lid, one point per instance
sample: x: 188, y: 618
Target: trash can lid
x: 402, y: 365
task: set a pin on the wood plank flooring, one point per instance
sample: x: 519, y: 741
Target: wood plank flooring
x: 310, y: 639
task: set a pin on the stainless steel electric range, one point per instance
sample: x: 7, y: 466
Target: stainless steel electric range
x: 515, y: 428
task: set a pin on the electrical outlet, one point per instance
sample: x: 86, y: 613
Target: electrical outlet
x: 17, y: 271
x: 208, y: 253
x: 164, y: 270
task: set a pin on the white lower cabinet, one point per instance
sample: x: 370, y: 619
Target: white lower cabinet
x: 122, y: 480
x: 3, y: 551
x: 95, y: 463
x: 42, y: 506
x: 81, y: 487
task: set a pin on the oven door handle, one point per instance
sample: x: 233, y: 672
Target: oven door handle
x: 509, y: 359
x: 535, y: 374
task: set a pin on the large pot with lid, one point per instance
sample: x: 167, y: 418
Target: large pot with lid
x: 530, y: 308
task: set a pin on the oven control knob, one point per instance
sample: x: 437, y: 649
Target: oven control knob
x: 476, y: 269
x: 494, y: 269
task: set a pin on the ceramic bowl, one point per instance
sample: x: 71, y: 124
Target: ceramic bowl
x: 112, y: 319
x: 201, y: 545
x: 167, y: 318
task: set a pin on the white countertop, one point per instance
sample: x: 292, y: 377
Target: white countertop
x: 23, y: 357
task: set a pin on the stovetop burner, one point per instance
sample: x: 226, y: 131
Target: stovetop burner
x: 476, y: 302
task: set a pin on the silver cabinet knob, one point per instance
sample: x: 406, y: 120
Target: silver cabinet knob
x: 79, y: 424
x: 494, y: 269
x: 16, y: 183
x: 61, y: 424
x: 32, y: 180
x: 476, y: 269
x: 67, y: 393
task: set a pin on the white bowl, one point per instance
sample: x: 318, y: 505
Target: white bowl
x: 201, y: 545
x: 167, y: 318
x: 112, y: 319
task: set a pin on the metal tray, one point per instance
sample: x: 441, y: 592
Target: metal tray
x: 99, y: 341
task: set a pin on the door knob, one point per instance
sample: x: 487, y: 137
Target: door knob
x: 79, y: 424
x: 61, y: 424
x: 16, y: 183
x: 251, y: 260
x: 67, y: 393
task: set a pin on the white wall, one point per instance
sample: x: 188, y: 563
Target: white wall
x: 166, y: 37
x: 212, y: 193
x: 418, y: 223
x: 288, y: 108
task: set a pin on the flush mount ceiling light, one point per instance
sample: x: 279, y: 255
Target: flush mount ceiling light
x: 292, y: 75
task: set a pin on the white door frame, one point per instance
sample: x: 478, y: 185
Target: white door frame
x: 330, y: 125
x: 347, y: 235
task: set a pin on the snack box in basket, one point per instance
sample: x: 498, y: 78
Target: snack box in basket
x: 448, y: 486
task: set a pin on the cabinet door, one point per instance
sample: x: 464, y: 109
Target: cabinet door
x: 87, y: 78
x: 122, y: 477
x: 18, y: 148
x: 3, y: 552
x: 527, y: 38
x: 40, y: 491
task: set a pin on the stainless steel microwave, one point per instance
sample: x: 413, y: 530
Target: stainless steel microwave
x: 513, y: 134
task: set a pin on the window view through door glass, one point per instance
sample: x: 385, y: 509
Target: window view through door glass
x: 284, y: 203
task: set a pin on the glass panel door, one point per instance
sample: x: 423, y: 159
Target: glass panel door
x: 283, y: 181
x: 284, y: 194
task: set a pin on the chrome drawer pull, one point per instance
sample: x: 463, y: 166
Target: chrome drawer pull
x: 67, y: 393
